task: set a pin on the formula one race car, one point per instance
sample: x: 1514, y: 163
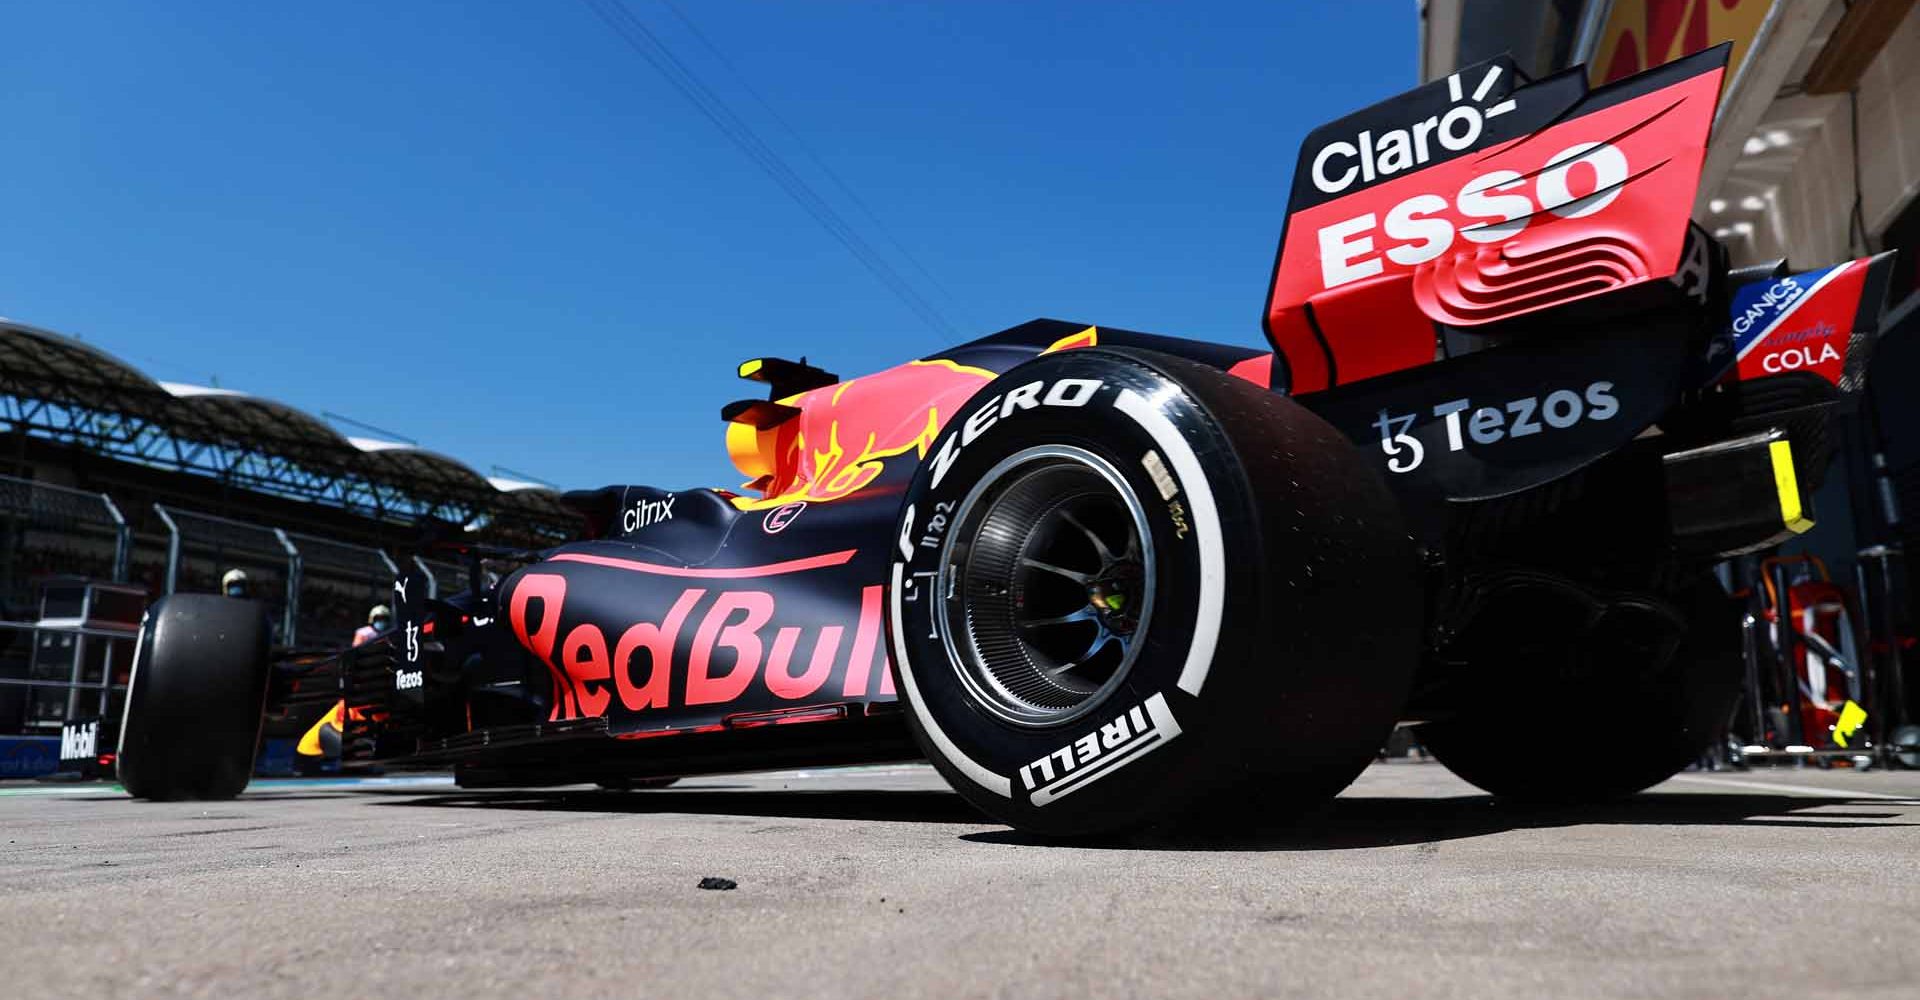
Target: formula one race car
x: 1105, y: 579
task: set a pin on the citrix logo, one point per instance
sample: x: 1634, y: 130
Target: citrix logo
x: 645, y: 512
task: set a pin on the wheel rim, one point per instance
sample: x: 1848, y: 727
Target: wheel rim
x: 1047, y: 585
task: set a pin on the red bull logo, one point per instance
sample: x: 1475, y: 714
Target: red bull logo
x: 711, y: 647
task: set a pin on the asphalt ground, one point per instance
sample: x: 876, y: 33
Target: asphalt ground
x: 879, y: 882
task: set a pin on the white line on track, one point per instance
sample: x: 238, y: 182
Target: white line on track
x: 1813, y: 790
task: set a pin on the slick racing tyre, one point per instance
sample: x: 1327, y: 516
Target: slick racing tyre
x: 1129, y: 590
x: 196, y: 699
x: 1644, y: 707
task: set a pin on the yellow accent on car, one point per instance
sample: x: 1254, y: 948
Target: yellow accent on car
x: 955, y: 366
x: 1852, y: 717
x: 1791, y: 513
x: 309, y: 745
x: 748, y: 368
x: 1089, y: 337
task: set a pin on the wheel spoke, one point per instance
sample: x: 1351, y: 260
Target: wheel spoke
x: 1100, y: 640
x: 1082, y: 615
x: 1080, y: 578
x: 1099, y: 547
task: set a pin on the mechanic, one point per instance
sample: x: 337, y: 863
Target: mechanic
x: 234, y: 583
x: 379, y: 620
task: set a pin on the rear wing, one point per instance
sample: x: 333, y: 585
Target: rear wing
x: 1475, y: 199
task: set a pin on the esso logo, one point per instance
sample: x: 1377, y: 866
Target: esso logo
x: 1490, y: 208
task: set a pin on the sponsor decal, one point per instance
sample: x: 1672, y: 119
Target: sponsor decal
x: 413, y: 642
x: 1066, y: 392
x: 1491, y: 208
x: 1490, y: 424
x: 409, y: 680
x: 1566, y: 194
x: 1367, y: 157
x: 79, y: 740
x: 647, y: 512
x: 1754, y: 313
x: 1801, y: 322
x: 778, y: 518
x: 708, y: 647
x: 1131, y: 735
x: 1695, y: 271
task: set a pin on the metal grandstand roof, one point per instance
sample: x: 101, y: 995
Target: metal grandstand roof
x: 57, y: 387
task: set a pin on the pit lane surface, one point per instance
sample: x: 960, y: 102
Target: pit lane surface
x: 879, y: 882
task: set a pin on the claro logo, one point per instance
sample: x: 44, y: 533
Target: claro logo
x: 1368, y: 157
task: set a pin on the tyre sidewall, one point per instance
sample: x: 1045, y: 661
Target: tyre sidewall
x: 1147, y: 744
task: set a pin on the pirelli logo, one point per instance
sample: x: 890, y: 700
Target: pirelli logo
x: 1130, y: 736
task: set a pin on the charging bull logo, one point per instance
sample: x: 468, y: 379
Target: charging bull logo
x: 709, y: 647
x: 840, y: 442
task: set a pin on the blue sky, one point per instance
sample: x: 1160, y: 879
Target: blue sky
x: 495, y: 228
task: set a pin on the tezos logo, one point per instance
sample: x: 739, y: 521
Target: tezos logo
x: 79, y: 740
x: 409, y: 680
x: 778, y: 518
x: 1492, y: 424
x: 1338, y: 164
x: 645, y: 512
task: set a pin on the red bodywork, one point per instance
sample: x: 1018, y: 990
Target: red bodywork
x: 1591, y: 202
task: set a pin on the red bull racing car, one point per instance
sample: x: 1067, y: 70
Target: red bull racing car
x: 1515, y: 407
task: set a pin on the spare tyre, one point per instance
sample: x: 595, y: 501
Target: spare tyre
x: 1131, y: 590
x: 196, y: 699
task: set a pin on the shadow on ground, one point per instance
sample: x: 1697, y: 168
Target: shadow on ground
x: 1347, y: 823
x: 907, y: 806
x: 1359, y: 822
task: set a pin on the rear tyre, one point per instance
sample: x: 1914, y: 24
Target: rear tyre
x: 1638, y: 717
x: 196, y: 698
x: 1130, y: 590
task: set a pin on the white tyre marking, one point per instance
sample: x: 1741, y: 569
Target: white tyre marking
x: 1206, y: 522
x: 1129, y: 737
x: 998, y: 784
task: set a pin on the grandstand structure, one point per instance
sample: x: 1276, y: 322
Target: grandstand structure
x: 108, y: 474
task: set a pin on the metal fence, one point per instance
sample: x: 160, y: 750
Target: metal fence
x: 49, y: 674
x: 335, y: 587
x: 201, y: 548
x: 50, y: 530
x: 318, y: 590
